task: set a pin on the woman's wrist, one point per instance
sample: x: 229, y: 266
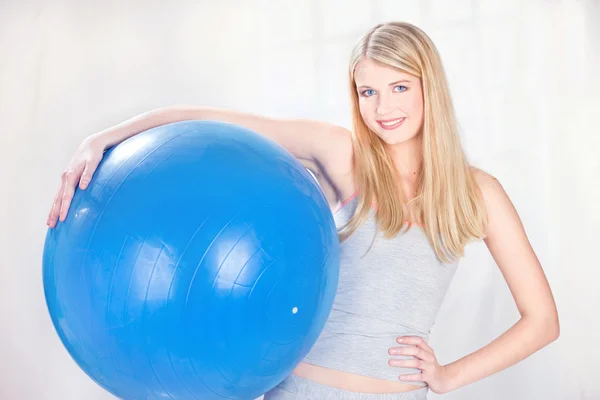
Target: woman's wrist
x: 450, y: 378
x: 118, y: 133
x: 97, y: 140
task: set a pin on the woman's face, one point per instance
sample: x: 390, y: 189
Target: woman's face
x: 390, y: 101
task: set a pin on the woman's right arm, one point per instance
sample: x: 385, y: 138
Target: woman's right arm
x: 308, y: 140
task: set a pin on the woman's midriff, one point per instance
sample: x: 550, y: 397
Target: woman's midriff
x: 350, y: 382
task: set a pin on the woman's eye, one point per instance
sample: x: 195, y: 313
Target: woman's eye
x: 371, y: 92
x: 367, y: 92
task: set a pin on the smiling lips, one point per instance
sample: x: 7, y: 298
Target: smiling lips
x: 391, y: 123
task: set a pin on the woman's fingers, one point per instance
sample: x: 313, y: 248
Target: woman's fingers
x: 88, y: 173
x: 53, y: 216
x: 419, y: 364
x: 413, y: 351
x: 80, y: 171
x: 70, y: 181
x: 415, y: 341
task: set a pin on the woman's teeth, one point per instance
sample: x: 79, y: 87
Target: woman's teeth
x: 391, y: 122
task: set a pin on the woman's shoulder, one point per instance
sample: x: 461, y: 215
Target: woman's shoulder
x: 495, y: 199
x: 485, y: 181
x: 336, y: 164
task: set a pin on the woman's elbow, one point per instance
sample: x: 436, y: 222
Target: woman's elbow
x: 551, y: 326
x: 546, y: 325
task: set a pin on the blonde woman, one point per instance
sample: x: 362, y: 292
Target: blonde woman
x: 406, y: 202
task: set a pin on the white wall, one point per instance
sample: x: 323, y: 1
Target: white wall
x: 523, y: 76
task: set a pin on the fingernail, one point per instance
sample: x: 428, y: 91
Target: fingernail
x: 399, y: 340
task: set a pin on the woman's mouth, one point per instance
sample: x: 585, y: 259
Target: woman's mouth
x: 391, y: 123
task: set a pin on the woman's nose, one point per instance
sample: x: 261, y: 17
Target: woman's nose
x: 382, y: 110
x: 384, y: 104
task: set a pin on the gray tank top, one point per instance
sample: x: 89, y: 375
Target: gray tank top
x: 387, y: 288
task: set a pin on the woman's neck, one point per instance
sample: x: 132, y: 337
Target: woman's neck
x: 408, y: 158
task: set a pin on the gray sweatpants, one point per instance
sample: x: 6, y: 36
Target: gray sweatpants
x: 296, y: 388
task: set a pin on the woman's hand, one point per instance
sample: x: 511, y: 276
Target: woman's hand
x: 434, y: 374
x: 79, y: 171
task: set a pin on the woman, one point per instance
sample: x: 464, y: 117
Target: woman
x: 406, y: 202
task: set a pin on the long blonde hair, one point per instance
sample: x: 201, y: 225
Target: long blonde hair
x: 447, y: 203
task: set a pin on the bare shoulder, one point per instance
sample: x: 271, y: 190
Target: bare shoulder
x: 334, y: 159
x: 500, y: 209
x: 490, y: 188
x: 485, y: 181
x: 492, y: 191
x: 341, y: 149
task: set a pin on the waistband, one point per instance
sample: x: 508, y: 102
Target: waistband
x: 306, y: 389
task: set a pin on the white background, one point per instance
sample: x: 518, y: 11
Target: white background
x: 523, y: 75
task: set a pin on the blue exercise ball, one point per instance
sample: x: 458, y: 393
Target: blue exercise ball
x: 200, y: 263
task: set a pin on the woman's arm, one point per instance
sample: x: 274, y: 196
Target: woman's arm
x: 311, y: 142
x: 308, y: 140
x: 538, y: 325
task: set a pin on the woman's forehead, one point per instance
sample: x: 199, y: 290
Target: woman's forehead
x: 369, y: 73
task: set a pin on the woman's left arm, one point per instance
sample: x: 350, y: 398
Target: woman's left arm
x: 538, y: 326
